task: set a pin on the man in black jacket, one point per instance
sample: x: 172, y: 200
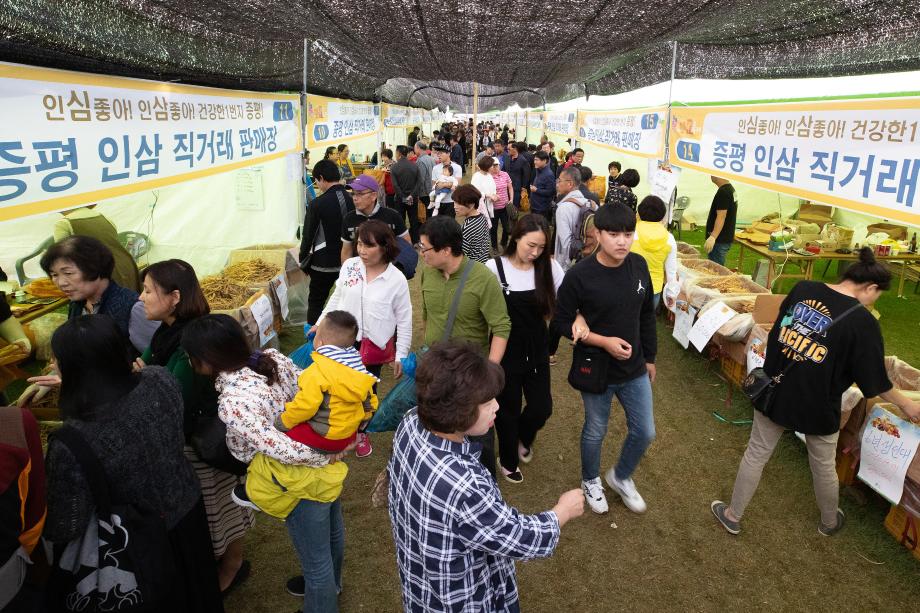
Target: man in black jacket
x: 405, y: 177
x: 456, y: 151
x: 518, y: 170
x: 321, y: 244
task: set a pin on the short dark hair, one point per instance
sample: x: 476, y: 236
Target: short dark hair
x: 615, y: 218
x: 868, y: 270
x: 94, y: 360
x: 652, y: 208
x: 630, y: 178
x: 614, y: 165
x: 452, y: 380
x: 449, y: 168
x: 573, y: 173
x: 327, y: 170
x: 485, y: 163
x: 375, y: 232
x: 329, y: 151
x: 178, y: 275
x: 387, y: 153
x: 91, y: 257
x: 402, y: 150
x: 467, y: 195
x: 541, y: 155
x: 218, y: 340
x: 577, y: 150
x: 443, y: 231
x: 342, y: 328
x: 531, y: 147
x: 342, y: 147
x: 586, y: 174
x: 498, y: 142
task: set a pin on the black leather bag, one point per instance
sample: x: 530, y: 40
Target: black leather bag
x: 589, y: 369
x: 209, y: 440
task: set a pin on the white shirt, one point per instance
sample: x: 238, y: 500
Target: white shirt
x: 524, y: 280
x: 381, y: 307
x: 436, y: 175
x: 486, y: 186
x: 566, y: 218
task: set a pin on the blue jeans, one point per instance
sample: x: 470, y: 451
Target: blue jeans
x: 318, y: 533
x: 636, y: 398
x: 718, y: 253
x: 656, y: 300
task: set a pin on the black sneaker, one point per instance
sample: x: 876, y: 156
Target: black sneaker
x: 240, y: 497
x: 825, y: 531
x: 513, y: 476
x: 718, y: 509
x: 296, y: 586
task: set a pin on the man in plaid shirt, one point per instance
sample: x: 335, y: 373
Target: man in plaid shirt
x: 456, y: 539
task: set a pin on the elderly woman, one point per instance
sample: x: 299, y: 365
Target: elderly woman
x: 173, y: 297
x: 376, y: 293
x: 253, y: 389
x: 132, y: 424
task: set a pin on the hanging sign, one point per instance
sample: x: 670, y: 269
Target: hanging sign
x: 637, y: 131
x: 395, y: 116
x: 331, y: 121
x: 535, y: 120
x: 564, y: 122
x: 859, y: 154
x: 69, y: 138
x: 889, y: 444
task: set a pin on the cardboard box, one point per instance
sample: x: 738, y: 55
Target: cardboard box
x: 275, y: 255
x: 903, y: 526
x: 898, y: 233
x: 815, y: 213
x: 766, y: 308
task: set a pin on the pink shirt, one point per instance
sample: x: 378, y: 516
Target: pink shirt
x: 502, y: 181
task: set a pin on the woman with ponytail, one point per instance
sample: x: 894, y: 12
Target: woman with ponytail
x: 824, y: 340
x: 529, y: 278
x: 253, y: 387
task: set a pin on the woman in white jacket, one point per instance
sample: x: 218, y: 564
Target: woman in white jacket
x: 483, y: 181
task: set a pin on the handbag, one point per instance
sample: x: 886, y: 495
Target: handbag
x: 759, y: 387
x: 122, y: 561
x: 371, y: 354
x: 209, y: 440
x: 588, y: 372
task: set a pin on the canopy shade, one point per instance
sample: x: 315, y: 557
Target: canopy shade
x: 384, y: 50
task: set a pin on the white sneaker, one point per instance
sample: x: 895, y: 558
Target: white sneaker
x: 594, y: 494
x: 627, y: 491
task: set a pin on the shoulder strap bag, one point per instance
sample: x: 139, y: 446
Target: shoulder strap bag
x: 455, y: 304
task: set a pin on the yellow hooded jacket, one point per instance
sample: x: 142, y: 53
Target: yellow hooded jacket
x: 333, y: 398
x: 277, y: 488
x: 652, y: 244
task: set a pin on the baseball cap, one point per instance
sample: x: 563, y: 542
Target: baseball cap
x: 363, y: 183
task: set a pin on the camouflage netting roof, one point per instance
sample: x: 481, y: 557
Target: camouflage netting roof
x: 383, y: 50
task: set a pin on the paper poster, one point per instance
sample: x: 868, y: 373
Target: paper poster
x: 636, y: 131
x: 262, y: 312
x: 280, y: 288
x: 859, y: 154
x: 294, y: 167
x: 683, y: 321
x: 249, y: 196
x: 663, y: 182
x: 889, y: 444
x: 756, y: 355
x: 708, y: 323
x: 79, y: 138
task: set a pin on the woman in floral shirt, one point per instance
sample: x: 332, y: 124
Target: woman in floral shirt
x: 253, y: 388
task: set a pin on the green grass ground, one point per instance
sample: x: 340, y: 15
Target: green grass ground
x: 673, y: 558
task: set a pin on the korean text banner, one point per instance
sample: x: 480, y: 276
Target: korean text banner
x: 520, y: 119
x: 636, y: 131
x: 534, y: 121
x: 859, y: 154
x: 332, y: 121
x: 395, y: 116
x: 561, y: 122
x: 69, y: 138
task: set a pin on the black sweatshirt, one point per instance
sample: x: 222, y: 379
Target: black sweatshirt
x: 615, y: 302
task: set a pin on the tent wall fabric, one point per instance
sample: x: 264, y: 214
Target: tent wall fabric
x: 251, y: 44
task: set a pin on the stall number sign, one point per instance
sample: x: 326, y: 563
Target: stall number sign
x: 639, y: 133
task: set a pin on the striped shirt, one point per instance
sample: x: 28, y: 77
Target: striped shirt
x: 476, y: 243
x: 348, y: 356
x: 502, y: 181
x: 456, y: 538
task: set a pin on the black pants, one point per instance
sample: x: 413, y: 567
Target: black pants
x: 554, y: 338
x: 320, y: 285
x: 501, y: 217
x: 487, y: 458
x: 514, y: 425
x: 446, y: 208
x: 411, y: 211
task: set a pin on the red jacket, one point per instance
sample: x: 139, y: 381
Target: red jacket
x: 22, y: 482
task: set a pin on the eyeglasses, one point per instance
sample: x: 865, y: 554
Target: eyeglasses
x: 424, y: 250
x: 366, y: 192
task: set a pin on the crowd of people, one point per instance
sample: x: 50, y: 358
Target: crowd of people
x: 145, y: 379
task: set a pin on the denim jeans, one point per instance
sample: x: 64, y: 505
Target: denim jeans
x: 656, y: 300
x: 636, y: 398
x: 318, y: 534
x: 718, y: 253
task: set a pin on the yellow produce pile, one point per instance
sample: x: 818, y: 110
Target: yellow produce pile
x: 44, y: 288
x: 729, y: 285
x: 704, y: 266
x: 250, y: 272
x: 223, y: 294
x: 11, y: 354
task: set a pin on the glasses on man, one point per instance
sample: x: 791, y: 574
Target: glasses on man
x: 365, y: 192
x: 423, y: 250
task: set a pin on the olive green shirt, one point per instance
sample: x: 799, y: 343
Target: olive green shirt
x: 481, y: 313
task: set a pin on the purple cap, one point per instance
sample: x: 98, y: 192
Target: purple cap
x: 364, y: 182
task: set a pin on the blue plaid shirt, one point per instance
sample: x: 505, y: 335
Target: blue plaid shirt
x: 456, y: 539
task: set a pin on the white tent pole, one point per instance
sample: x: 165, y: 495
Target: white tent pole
x: 304, y: 105
x: 475, y: 119
x: 667, y: 127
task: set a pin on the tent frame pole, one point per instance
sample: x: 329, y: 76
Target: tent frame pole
x: 667, y: 127
x: 475, y: 121
x: 304, y: 105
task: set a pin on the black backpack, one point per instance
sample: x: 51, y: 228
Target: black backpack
x: 580, y: 231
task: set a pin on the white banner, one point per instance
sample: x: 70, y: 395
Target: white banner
x: 638, y: 131
x: 561, y: 122
x: 859, y: 154
x: 534, y: 120
x: 68, y: 138
x: 520, y: 119
x: 889, y: 444
x: 395, y: 116
x: 331, y: 121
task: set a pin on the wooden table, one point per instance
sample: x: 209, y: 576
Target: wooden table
x: 42, y: 310
x: 807, y: 262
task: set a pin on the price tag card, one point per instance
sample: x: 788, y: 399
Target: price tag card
x: 683, y: 321
x: 708, y: 323
x: 262, y: 312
